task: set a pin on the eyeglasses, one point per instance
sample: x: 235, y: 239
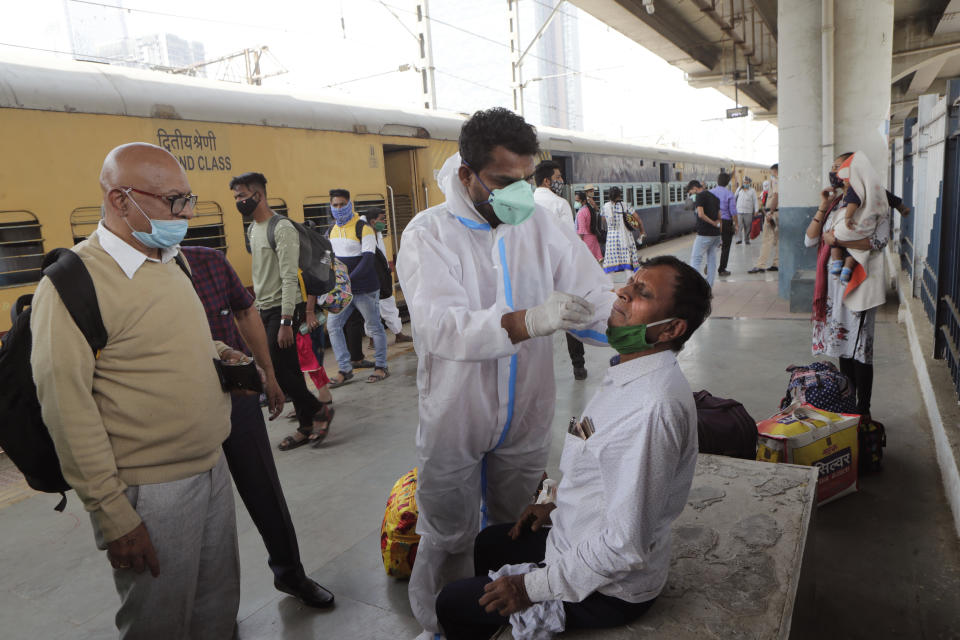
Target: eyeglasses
x: 177, y: 203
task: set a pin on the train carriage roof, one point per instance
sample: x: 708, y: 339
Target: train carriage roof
x: 69, y: 86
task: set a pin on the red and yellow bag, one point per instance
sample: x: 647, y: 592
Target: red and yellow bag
x: 398, y: 533
x: 805, y: 435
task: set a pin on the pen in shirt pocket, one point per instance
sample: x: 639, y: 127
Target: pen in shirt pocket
x: 586, y: 426
x: 574, y: 428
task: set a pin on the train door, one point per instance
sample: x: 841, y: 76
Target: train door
x: 404, y: 199
x: 666, y: 199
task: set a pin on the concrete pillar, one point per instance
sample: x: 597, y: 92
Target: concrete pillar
x: 863, y: 66
x: 799, y: 118
x: 863, y: 48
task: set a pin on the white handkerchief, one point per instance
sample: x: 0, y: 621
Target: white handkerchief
x: 543, y: 619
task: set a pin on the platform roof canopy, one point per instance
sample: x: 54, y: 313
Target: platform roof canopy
x: 731, y: 45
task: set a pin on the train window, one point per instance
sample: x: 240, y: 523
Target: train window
x: 365, y: 202
x: 656, y: 194
x: 648, y: 196
x: 205, y: 230
x: 206, y: 227
x: 21, y: 248
x: 316, y: 209
x: 83, y: 222
x: 629, y: 196
x: 277, y: 204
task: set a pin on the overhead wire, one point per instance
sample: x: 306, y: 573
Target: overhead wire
x: 489, y: 88
x: 391, y: 8
x: 86, y: 56
x: 167, y: 14
x: 477, y: 35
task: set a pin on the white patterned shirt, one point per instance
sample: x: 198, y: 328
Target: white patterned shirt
x: 623, y: 487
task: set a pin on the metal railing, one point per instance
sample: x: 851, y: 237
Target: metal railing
x: 942, y: 266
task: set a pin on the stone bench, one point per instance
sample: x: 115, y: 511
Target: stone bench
x: 738, y: 548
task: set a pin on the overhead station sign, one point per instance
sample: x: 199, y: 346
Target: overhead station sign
x: 739, y: 112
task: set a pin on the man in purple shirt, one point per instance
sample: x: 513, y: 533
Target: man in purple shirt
x: 728, y: 213
x: 234, y: 321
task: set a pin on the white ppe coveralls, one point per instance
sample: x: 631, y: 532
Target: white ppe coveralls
x: 486, y: 404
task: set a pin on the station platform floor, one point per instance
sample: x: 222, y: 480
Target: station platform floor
x: 885, y: 561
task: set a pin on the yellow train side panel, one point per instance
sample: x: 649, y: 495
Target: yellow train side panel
x: 53, y: 160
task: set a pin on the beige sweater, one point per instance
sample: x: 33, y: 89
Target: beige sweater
x: 150, y: 408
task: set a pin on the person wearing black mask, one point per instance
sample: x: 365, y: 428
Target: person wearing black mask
x: 277, y: 290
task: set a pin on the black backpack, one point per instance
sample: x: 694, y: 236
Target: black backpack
x: 598, y: 226
x: 315, y: 263
x: 380, y: 263
x: 23, y: 436
x: 724, y: 427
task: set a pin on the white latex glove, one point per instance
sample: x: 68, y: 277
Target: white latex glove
x: 560, y: 311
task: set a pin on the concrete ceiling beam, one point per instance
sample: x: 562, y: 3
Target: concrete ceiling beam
x: 950, y: 20
x: 669, y: 24
x: 926, y: 74
x: 768, y: 13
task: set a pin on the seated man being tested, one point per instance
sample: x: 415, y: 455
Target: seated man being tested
x: 598, y: 555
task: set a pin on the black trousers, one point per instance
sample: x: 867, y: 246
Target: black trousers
x: 286, y: 364
x: 726, y: 239
x: 353, y: 334
x: 254, y: 472
x: 861, y: 376
x: 462, y: 618
x: 575, y: 349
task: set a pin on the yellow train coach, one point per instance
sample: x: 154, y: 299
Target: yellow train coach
x: 58, y: 119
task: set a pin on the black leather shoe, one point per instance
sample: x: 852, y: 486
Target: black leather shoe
x: 756, y: 270
x: 723, y: 273
x: 579, y: 373
x: 773, y: 269
x: 308, y: 592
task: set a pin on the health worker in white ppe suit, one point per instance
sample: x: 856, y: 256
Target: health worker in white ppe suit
x: 488, y: 277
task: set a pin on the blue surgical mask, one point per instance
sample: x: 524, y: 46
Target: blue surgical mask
x: 513, y: 204
x: 163, y: 233
x: 342, y: 215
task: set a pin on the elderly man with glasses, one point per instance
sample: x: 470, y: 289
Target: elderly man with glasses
x: 138, y: 426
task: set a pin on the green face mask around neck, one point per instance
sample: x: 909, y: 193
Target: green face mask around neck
x: 632, y: 339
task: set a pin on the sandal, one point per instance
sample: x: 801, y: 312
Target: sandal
x: 291, y: 416
x: 291, y: 442
x: 318, y: 435
x: 345, y: 377
x: 373, y: 377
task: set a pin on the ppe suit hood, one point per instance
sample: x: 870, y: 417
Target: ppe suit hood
x: 459, y: 203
